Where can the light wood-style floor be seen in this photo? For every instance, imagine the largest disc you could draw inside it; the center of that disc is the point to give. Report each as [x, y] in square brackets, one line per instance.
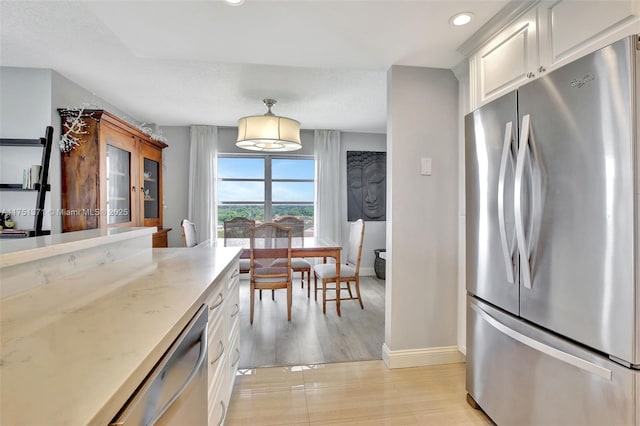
[311, 337]
[353, 393]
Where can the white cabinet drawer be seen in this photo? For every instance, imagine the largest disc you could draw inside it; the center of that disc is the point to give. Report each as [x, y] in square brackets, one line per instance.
[218, 349]
[217, 404]
[232, 311]
[233, 276]
[216, 304]
[234, 360]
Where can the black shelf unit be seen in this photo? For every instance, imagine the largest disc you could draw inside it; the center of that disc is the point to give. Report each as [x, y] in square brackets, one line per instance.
[41, 188]
[14, 187]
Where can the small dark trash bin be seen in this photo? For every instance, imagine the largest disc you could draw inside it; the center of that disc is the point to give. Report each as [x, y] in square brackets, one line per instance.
[380, 264]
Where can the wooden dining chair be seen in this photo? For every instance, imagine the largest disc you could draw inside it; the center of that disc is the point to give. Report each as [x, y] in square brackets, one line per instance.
[298, 264]
[236, 233]
[269, 242]
[188, 231]
[349, 271]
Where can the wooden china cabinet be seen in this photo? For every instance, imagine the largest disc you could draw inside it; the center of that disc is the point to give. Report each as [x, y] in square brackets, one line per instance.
[113, 177]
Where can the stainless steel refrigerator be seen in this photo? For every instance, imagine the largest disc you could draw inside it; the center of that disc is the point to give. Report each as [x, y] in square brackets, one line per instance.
[553, 246]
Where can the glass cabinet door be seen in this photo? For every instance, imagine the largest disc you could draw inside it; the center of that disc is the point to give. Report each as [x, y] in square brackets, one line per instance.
[151, 186]
[150, 191]
[118, 185]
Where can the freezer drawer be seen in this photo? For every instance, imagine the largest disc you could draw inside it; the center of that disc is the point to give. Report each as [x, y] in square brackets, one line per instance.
[522, 375]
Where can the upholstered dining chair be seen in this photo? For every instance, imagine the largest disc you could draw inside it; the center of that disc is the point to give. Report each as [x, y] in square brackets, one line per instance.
[298, 264]
[349, 271]
[188, 231]
[269, 242]
[236, 233]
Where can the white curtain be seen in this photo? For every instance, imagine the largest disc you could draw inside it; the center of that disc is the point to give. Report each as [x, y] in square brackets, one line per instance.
[328, 195]
[202, 181]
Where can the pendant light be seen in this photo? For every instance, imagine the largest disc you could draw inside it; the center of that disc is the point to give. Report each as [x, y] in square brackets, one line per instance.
[268, 132]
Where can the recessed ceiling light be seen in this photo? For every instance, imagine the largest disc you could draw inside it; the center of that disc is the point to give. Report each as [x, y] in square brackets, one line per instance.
[461, 19]
[234, 2]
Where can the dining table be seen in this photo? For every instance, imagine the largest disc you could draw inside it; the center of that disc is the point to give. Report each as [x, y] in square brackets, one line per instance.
[305, 247]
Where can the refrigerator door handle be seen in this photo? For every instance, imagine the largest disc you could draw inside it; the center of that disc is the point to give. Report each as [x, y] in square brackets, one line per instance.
[543, 348]
[517, 201]
[506, 248]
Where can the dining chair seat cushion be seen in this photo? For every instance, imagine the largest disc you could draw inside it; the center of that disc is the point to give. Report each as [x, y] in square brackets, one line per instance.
[245, 264]
[296, 263]
[328, 270]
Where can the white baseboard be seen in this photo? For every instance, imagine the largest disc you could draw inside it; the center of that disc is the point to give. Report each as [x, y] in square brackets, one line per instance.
[421, 357]
[463, 350]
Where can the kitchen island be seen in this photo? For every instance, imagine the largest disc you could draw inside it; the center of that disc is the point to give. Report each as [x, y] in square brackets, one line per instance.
[76, 345]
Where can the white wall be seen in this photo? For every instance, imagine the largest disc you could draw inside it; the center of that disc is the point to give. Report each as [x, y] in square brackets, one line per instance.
[422, 218]
[25, 104]
[175, 170]
[25, 111]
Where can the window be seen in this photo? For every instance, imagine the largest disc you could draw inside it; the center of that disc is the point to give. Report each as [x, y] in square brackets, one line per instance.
[264, 188]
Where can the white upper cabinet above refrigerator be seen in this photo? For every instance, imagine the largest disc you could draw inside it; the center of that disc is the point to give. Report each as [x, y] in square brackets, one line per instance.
[544, 37]
[507, 61]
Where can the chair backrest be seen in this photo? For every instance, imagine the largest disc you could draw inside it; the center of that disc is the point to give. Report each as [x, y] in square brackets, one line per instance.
[297, 227]
[188, 230]
[269, 242]
[354, 247]
[236, 230]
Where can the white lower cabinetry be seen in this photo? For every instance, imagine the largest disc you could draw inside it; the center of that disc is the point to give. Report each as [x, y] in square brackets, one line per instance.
[224, 347]
[233, 328]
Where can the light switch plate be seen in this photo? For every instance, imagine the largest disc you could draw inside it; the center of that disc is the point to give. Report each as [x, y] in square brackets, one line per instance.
[425, 166]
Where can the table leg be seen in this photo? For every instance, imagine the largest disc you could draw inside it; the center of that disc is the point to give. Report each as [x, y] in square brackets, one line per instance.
[338, 282]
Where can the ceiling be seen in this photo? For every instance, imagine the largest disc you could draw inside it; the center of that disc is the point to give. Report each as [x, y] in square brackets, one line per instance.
[204, 62]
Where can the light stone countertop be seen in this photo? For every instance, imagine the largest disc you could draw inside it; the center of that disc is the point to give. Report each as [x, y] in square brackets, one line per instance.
[73, 351]
[14, 251]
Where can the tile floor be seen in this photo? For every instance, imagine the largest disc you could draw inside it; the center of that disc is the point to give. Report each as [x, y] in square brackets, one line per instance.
[352, 393]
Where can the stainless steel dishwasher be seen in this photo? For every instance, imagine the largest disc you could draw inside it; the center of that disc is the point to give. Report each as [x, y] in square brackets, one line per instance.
[175, 392]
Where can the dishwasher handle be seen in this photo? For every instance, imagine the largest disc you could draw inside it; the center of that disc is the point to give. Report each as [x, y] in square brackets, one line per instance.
[201, 357]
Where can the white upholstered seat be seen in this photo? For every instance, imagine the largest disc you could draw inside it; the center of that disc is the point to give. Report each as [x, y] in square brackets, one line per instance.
[349, 271]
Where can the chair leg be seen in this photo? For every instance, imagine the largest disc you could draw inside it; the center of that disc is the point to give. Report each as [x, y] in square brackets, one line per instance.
[349, 289]
[273, 295]
[252, 297]
[289, 300]
[315, 286]
[308, 283]
[302, 279]
[324, 297]
[338, 293]
[260, 291]
[358, 291]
